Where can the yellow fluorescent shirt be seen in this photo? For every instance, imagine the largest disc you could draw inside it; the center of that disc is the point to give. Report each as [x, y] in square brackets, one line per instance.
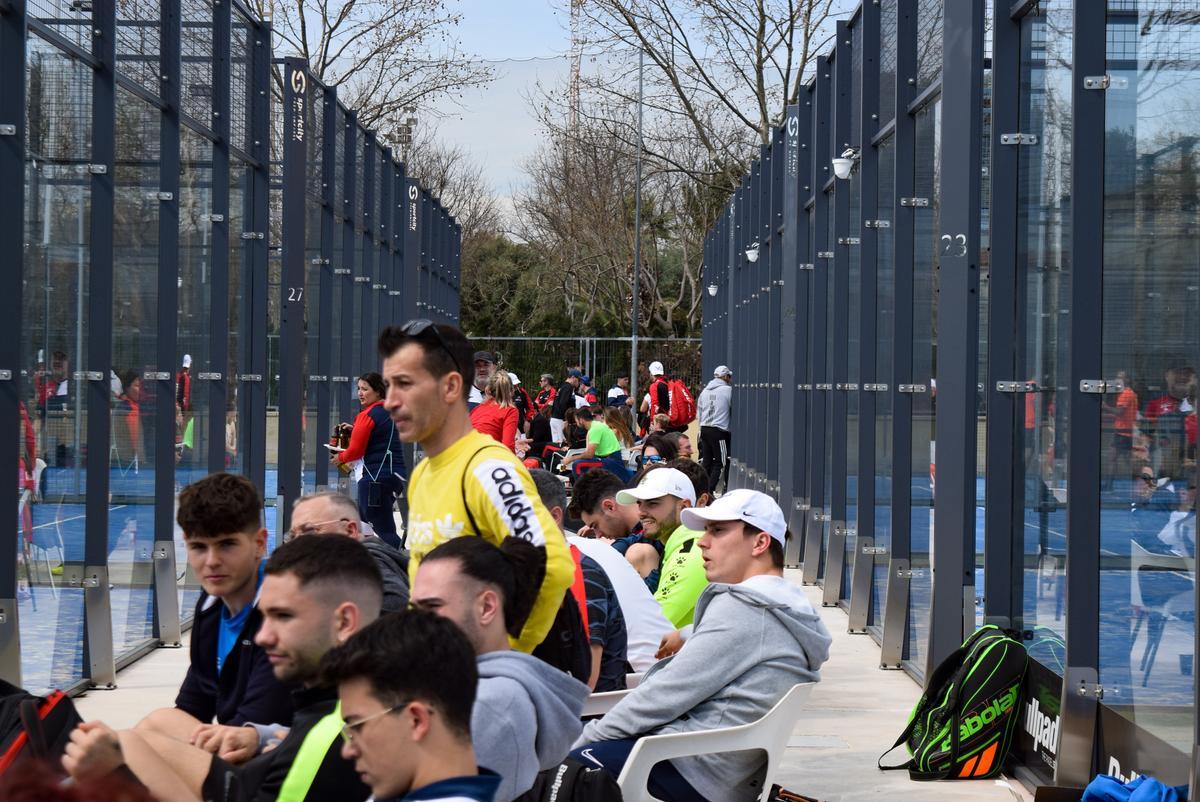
[503, 499]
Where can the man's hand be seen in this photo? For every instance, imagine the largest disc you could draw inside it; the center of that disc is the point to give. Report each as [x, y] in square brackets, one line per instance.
[232, 744]
[93, 751]
[671, 643]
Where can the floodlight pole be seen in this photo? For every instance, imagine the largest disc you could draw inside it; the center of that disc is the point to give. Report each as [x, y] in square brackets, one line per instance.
[637, 245]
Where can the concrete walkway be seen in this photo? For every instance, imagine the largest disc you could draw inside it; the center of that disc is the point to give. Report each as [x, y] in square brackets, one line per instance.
[854, 714]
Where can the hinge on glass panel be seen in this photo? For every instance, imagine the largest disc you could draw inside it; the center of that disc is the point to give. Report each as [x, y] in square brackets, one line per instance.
[1100, 386]
[318, 261]
[803, 386]
[318, 378]
[821, 517]
[340, 379]
[210, 376]
[5, 375]
[252, 235]
[378, 286]
[1016, 387]
[849, 241]
[911, 388]
[1093, 689]
[1018, 139]
[341, 271]
[162, 196]
[362, 279]
[904, 573]
[97, 169]
[875, 388]
[803, 506]
[874, 550]
[822, 386]
[393, 293]
[824, 254]
[805, 266]
[1096, 82]
[877, 224]
[156, 376]
[8, 129]
[917, 202]
[251, 377]
[837, 530]
[89, 376]
[217, 218]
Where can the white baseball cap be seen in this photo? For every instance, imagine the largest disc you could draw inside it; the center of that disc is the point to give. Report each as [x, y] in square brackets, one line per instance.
[512, 377]
[656, 369]
[658, 483]
[187, 360]
[755, 508]
[722, 371]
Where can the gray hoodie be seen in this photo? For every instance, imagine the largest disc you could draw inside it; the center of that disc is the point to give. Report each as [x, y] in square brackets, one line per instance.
[393, 566]
[525, 717]
[750, 643]
[715, 403]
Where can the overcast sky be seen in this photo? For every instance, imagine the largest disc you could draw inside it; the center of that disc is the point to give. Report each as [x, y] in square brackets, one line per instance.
[528, 40]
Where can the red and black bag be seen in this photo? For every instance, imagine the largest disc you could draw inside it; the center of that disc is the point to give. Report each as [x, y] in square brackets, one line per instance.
[33, 727]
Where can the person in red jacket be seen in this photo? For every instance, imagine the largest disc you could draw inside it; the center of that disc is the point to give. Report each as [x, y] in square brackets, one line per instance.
[497, 415]
[545, 396]
[374, 441]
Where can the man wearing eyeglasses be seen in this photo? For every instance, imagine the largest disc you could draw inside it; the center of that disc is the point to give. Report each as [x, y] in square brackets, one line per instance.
[316, 594]
[468, 484]
[334, 513]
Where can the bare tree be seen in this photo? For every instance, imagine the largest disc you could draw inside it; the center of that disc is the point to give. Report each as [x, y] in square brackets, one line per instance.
[377, 53]
[451, 175]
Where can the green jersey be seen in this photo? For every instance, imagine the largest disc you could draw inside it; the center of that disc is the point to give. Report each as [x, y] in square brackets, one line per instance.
[681, 579]
[606, 442]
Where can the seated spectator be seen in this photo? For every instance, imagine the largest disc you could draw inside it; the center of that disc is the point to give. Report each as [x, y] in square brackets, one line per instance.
[317, 592]
[661, 497]
[607, 634]
[334, 513]
[498, 417]
[656, 448]
[683, 445]
[229, 677]
[602, 445]
[594, 501]
[755, 636]
[539, 434]
[407, 688]
[697, 475]
[576, 435]
[526, 713]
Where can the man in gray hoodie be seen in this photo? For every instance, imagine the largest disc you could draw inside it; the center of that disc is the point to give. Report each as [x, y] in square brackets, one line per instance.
[754, 636]
[526, 712]
[715, 407]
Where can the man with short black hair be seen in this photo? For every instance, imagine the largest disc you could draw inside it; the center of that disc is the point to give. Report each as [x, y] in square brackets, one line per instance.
[407, 690]
[468, 484]
[229, 678]
[618, 394]
[316, 593]
[594, 501]
[755, 636]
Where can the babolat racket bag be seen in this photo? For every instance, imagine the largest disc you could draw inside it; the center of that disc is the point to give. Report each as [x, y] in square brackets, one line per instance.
[963, 725]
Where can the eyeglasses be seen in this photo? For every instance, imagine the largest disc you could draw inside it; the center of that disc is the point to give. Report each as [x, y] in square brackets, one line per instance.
[350, 729]
[313, 529]
[651, 458]
[1148, 478]
[417, 327]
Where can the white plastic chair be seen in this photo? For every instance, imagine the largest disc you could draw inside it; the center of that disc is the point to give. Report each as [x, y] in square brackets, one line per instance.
[600, 703]
[770, 734]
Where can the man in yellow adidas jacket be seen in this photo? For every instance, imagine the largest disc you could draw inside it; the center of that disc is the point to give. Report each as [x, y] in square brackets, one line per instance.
[468, 484]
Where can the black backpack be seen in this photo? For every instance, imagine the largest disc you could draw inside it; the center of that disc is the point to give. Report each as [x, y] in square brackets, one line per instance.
[33, 727]
[572, 781]
[963, 725]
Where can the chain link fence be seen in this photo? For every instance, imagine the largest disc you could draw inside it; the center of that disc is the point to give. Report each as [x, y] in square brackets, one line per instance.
[602, 358]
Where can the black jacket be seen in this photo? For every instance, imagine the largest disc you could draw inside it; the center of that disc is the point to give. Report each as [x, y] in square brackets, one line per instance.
[246, 690]
[563, 401]
[261, 777]
[393, 566]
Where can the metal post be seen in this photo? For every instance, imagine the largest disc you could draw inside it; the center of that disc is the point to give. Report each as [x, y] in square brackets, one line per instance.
[166, 599]
[1080, 695]
[12, 216]
[368, 276]
[344, 367]
[953, 604]
[326, 324]
[863, 566]
[789, 281]
[97, 601]
[253, 428]
[637, 240]
[895, 614]
[218, 318]
[796, 291]
[291, 286]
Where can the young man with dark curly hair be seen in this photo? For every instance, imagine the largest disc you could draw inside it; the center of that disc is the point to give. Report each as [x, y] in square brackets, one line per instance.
[230, 678]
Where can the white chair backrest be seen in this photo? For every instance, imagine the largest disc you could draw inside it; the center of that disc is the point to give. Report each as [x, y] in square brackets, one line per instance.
[1140, 558]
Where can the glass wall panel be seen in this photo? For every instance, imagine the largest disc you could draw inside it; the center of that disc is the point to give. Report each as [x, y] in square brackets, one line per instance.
[1151, 318]
[853, 375]
[887, 61]
[195, 301]
[132, 457]
[924, 439]
[241, 196]
[1044, 269]
[885, 320]
[831, 316]
[316, 431]
[929, 43]
[197, 89]
[53, 330]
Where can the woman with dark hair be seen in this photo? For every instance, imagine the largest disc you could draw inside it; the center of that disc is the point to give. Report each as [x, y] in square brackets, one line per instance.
[374, 441]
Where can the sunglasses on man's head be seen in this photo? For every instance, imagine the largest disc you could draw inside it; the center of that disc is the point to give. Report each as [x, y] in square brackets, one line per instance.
[420, 326]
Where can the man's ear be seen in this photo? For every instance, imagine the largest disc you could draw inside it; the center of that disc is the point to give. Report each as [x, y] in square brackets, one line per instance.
[346, 618]
[489, 607]
[260, 543]
[762, 544]
[608, 504]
